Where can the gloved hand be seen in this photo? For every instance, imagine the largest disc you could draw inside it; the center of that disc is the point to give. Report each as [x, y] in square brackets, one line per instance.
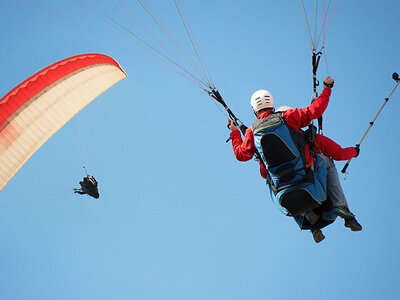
[329, 82]
[357, 147]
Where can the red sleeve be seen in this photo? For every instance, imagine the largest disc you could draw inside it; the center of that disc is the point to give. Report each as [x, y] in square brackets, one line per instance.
[244, 150]
[332, 149]
[263, 171]
[301, 117]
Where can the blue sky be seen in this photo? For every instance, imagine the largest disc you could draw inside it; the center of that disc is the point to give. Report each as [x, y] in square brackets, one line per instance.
[178, 216]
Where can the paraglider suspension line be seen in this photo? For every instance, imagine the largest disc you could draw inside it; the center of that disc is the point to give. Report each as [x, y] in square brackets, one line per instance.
[87, 174]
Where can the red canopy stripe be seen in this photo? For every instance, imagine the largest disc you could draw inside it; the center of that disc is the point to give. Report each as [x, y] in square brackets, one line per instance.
[30, 87]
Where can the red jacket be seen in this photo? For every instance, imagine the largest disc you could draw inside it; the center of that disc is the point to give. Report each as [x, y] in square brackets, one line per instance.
[296, 118]
[328, 147]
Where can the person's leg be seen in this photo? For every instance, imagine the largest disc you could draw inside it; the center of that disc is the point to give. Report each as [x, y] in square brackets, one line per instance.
[334, 188]
[336, 194]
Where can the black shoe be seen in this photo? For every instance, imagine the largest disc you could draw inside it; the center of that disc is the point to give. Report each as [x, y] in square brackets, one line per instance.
[317, 235]
[352, 224]
[312, 217]
[343, 212]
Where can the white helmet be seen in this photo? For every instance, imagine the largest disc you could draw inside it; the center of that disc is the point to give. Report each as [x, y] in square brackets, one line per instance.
[261, 99]
[283, 108]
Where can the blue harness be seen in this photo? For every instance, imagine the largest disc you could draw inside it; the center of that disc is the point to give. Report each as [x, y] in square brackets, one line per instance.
[295, 187]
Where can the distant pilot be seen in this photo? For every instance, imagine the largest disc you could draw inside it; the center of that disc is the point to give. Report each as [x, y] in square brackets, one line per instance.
[89, 187]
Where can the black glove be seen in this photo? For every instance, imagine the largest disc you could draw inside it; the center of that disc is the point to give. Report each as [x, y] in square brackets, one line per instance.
[357, 147]
[329, 85]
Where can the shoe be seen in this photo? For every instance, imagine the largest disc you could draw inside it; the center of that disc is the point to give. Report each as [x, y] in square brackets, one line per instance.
[312, 217]
[343, 212]
[317, 235]
[352, 224]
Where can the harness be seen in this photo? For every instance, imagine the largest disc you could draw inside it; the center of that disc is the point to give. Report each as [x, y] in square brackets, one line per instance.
[296, 186]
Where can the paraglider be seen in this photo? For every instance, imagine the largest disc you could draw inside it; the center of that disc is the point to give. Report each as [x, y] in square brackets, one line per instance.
[38, 107]
[89, 186]
[299, 179]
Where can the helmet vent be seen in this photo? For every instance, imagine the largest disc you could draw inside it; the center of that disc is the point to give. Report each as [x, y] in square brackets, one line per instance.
[261, 99]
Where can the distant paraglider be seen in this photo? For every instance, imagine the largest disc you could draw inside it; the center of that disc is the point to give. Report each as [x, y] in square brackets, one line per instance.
[89, 186]
[38, 107]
